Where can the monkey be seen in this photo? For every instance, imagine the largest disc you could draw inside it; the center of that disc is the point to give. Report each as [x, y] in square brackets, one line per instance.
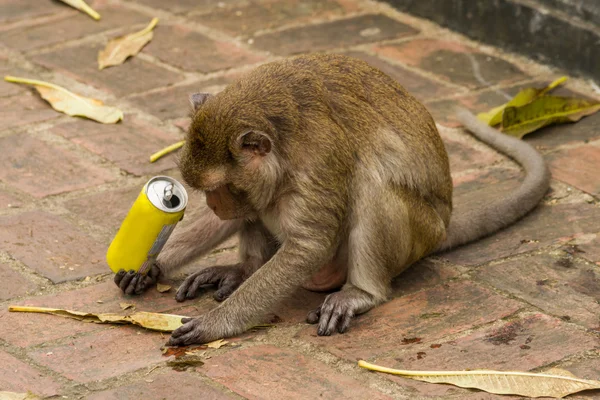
[335, 179]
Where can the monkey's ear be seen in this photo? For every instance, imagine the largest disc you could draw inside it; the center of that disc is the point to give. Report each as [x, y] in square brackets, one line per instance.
[197, 99]
[257, 143]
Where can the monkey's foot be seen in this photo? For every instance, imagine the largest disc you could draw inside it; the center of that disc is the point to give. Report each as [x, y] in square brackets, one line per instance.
[226, 278]
[134, 283]
[338, 309]
[193, 331]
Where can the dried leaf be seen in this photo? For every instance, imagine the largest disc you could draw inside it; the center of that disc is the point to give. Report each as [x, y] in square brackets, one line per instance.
[163, 288]
[70, 103]
[120, 49]
[82, 6]
[185, 362]
[525, 96]
[148, 320]
[217, 344]
[550, 384]
[166, 150]
[546, 110]
[18, 396]
[125, 306]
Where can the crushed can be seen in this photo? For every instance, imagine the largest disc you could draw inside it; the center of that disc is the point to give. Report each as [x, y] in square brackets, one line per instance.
[148, 225]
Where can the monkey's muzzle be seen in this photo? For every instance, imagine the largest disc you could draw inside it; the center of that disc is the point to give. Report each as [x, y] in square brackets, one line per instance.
[222, 202]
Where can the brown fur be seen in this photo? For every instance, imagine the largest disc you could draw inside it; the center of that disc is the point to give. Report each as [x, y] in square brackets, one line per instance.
[340, 170]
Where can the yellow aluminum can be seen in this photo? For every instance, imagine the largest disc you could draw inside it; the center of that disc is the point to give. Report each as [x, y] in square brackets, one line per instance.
[149, 223]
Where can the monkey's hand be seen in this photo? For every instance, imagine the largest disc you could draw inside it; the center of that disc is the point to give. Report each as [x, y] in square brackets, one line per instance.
[134, 283]
[226, 278]
[338, 309]
[216, 324]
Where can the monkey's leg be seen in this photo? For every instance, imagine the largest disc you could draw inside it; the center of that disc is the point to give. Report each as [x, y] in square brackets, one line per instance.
[257, 246]
[389, 232]
[187, 243]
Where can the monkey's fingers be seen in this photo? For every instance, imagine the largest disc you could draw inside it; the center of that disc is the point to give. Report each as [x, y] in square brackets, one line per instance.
[191, 286]
[126, 280]
[119, 276]
[131, 288]
[335, 315]
[228, 284]
[313, 316]
[189, 333]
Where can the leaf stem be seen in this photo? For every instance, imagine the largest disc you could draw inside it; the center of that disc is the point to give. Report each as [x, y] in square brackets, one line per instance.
[89, 11]
[378, 368]
[33, 82]
[147, 29]
[166, 151]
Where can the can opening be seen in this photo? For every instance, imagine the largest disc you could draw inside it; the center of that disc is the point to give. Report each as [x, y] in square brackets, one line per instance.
[173, 202]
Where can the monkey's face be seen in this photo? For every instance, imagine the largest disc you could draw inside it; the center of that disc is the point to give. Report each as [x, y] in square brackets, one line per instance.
[226, 158]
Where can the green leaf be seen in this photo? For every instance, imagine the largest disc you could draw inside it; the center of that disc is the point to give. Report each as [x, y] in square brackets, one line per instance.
[543, 111]
[525, 96]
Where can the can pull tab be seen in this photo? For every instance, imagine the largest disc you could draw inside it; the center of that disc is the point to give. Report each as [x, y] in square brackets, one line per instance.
[167, 195]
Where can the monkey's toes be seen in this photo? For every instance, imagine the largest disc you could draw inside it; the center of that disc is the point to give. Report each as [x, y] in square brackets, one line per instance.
[336, 313]
[313, 316]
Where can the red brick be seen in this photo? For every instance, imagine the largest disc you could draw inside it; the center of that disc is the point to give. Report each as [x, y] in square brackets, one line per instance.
[16, 376]
[268, 372]
[42, 169]
[72, 26]
[174, 102]
[444, 111]
[25, 9]
[128, 144]
[587, 368]
[51, 246]
[578, 167]
[466, 152]
[522, 344]
[341, 33]
[249, 18]
[8, 88]
[186, 5]
[560, 285]
[135, 75]
[99, 298]
[591, 247]
[585, 130]
[430, 315]
[453, 61]
[93, 208]
[421, 275]
[192, 51]
[544, 226]
[420, 87]
[476, 187]
[9, 200]
[185, 384]
[13, 284]
[26, 108]
[103, 354]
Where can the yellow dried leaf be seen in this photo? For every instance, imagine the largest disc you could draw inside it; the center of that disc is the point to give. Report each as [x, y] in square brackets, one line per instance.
[543, 111]
[166, 151]
[82, 6]
[121, 48]
[125, 306]
[148, 320]
[525, 96]
[554, 383]
[70, 103]
[217, 344]
[163, 288]
[17, 396]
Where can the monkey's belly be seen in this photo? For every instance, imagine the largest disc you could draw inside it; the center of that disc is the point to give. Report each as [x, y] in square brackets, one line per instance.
[331, 276]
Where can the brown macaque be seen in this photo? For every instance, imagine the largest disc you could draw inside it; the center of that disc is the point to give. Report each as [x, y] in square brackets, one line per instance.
[334, 177]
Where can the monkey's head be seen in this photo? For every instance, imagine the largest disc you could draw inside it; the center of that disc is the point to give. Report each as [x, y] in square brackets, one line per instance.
[230, 154]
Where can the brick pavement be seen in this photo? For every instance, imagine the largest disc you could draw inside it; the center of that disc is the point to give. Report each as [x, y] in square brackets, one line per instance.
[526, 298]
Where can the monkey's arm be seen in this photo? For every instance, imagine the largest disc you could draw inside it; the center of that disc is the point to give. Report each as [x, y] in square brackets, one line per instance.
[311, 241]
[187, 243]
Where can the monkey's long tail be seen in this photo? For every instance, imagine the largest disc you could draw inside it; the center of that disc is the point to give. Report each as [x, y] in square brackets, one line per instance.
[473, 224]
